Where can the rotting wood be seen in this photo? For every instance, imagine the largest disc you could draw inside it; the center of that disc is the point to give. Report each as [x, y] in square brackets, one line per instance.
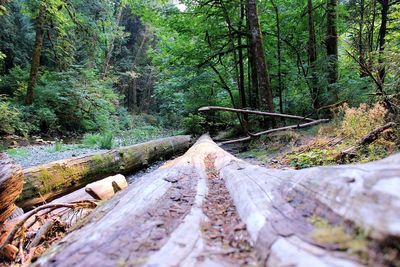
[365, 140]
[255, 112]
[49, 181]
[11, 182]
[281, 210]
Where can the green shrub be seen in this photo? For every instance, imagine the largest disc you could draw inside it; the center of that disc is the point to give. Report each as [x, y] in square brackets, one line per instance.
[106, 140]
[91, 140]
[194, 124]
[58, 146]
[10, 119]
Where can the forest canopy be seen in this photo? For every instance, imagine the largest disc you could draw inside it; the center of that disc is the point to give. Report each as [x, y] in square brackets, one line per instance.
[89, 66]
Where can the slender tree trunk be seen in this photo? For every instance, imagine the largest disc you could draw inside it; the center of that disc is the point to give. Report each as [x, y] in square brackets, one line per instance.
[312, 56]
[259, 61]
[279, 52]
[361, 47]
[332, 46]
[382, 35]
[37, 51]
[242, 93]
[112, 43]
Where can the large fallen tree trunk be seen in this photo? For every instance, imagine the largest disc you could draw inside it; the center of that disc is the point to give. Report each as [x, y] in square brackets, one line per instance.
[326, 216]
[48, 181]
[10, 186]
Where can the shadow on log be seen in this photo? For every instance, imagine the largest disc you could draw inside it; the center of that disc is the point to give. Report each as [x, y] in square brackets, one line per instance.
[49, 181]
[326, 216]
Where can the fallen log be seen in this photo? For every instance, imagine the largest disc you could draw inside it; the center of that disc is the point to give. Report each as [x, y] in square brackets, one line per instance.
[325, 216]
[365, 140]
[11, 182]
[255, 112]
[49, 181]
[285, 128]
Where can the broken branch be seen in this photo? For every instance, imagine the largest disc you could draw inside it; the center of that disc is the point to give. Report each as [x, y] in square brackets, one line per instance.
[256, 112]
[297, 126]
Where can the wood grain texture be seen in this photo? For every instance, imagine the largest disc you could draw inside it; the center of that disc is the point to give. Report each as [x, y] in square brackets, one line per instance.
[278, 207]
[11, 181]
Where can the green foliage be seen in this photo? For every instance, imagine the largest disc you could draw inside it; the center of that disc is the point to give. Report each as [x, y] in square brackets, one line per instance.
[58, 146]
[314, 157]
[10, 119]
[106, 140]
[194, 124]
[17, 152]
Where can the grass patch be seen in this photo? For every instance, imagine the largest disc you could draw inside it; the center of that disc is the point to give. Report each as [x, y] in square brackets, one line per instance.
[18, 153]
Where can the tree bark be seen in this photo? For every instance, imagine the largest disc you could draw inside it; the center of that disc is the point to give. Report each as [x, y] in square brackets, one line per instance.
[382, 40]
[49, 181]
[332, 41]
[11, 181]
[312, 57]
[259, 61]
[279, 52]
[37, 51]
[313, 215]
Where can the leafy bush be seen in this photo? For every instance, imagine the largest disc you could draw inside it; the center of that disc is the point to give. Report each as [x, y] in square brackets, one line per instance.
[10, 119]
[358, 122]
[106, 140]
[193, 124]
[74, 100]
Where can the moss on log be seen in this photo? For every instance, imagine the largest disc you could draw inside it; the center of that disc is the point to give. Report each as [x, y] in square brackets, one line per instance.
[48, 181]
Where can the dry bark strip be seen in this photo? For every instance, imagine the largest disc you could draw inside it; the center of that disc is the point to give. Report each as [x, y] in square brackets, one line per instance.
[10, 186]
[49, 181]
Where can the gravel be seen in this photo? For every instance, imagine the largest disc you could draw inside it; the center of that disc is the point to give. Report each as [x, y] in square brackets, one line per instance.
[36, 155]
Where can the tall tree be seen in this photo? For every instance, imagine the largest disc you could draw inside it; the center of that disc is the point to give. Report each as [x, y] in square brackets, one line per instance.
[382, 36]
[37, 50]
[312, 56]
[259, 61]
[332, 41]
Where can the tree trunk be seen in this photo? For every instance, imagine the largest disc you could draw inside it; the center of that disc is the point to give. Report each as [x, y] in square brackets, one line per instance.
[279, 52]
[48, 181]
[11, 181]
[332, 42]
[312, 57]
[110, 50]
[259, 61]
[382, 40]
[313, 215]
[37, 51]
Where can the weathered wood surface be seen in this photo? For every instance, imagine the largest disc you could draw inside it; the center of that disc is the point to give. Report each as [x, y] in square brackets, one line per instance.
[106, 188]
[11, 182]
[160, 220]
[48, 181]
